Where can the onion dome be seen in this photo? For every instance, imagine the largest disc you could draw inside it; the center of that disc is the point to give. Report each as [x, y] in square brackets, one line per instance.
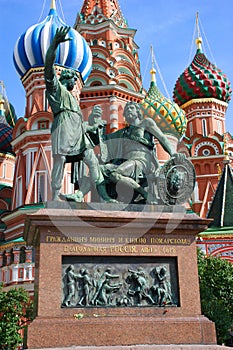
[5, 132]
[10, 114]
[201, 79]
[169, 117]
[31, 47]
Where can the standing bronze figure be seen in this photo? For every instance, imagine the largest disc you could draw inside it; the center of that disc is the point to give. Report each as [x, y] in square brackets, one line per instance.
[69, 140]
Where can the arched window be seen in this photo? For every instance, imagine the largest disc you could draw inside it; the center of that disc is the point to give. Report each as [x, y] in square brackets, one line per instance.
[124, 85]
[195, 194]
[41, 186]
[45, 101]
[191, 129]
[207, 169]
[198, 169]
[22, 256]
[116, 45]
[4, 260]
[219, 127]
[12, 256]
[102, 43]
[19, 188]
[96, 83]
[204, 127]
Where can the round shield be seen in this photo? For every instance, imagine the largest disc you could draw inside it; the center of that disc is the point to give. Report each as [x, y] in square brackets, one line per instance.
[176, 181]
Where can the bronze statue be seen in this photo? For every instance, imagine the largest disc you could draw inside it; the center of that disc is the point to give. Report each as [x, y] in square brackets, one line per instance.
[69, 140]
[127, 155]
[137, 149]
[138, 166]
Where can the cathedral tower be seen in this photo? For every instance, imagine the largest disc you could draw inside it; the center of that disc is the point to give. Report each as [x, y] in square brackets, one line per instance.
[203, 91]
[115, 77]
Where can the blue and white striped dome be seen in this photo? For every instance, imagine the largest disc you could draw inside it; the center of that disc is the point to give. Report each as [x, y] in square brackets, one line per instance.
[31, 47]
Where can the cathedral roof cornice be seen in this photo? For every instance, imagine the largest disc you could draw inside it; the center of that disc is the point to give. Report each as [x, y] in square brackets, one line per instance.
[204, 100]
[7, 156]
[32, 134]
[112, 88]
[101, 27]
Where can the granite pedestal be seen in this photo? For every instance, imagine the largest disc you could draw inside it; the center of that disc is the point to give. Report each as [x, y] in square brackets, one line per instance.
[110, 235]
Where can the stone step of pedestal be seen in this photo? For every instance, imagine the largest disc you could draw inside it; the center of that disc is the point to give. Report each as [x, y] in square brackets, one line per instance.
[146, 347]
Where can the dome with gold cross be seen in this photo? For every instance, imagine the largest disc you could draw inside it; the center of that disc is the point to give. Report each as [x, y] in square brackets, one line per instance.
[169, 117]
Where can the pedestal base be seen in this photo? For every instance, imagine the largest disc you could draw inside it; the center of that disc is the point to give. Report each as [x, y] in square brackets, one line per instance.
[106, 331]
[127, 241]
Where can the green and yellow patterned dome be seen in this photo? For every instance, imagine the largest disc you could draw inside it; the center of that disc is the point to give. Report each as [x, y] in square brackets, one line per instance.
[169, 117]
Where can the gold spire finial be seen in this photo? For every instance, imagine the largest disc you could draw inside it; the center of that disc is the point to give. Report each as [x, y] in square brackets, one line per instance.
[199, 39]
[2, 105]
[2, 110]
[226, 154]
[153, 70]
[53, 4]
[199, 42]
[219, 171]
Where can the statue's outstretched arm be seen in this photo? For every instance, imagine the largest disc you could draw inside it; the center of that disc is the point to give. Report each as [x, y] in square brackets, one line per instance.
[163, 140]
[59, 37]
[150, 125]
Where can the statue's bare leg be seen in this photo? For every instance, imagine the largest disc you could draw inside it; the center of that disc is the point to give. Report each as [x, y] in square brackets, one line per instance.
[121, 174]
[57, 175]
[96, 175]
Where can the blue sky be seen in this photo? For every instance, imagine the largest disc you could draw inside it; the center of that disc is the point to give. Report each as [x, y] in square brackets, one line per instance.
[167, 25]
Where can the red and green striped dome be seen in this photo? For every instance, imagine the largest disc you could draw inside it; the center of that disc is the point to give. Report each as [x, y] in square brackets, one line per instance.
[201, 79]
[169, 117]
